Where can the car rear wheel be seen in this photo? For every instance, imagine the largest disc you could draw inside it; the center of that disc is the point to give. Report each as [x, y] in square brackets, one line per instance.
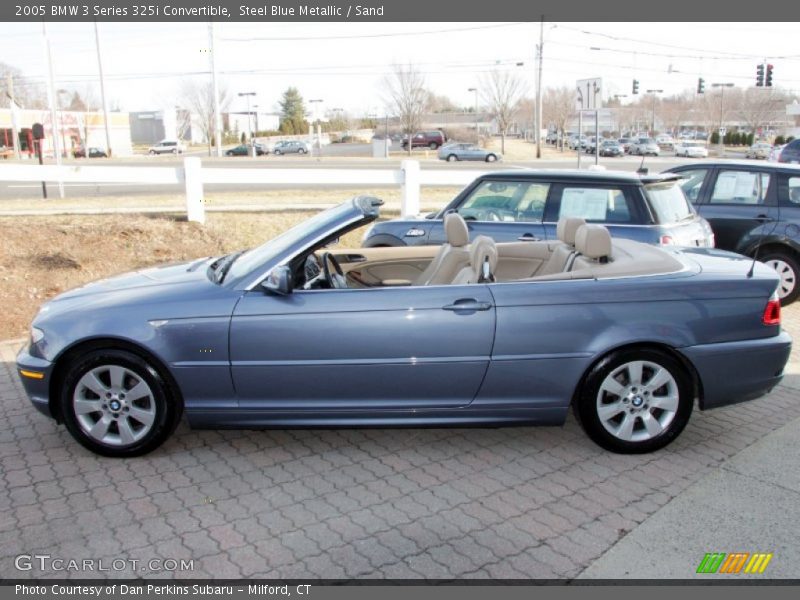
[116, 404]
[788, 270]
[152, 152]
[635, 400]
[491, 158]
[301, 151]
[433, 145]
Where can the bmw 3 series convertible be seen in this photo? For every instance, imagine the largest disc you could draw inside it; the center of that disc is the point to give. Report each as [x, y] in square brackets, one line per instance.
[296, 333]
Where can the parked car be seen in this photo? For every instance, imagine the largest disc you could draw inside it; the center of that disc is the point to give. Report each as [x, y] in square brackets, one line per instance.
[246, 150]
[80, 152]
[527, 204]
[645, 146]
[167, 147]
[454, 152]
[758, 150]
[426, 139]
[625, 143]
[753, 209]
[611, 148]
[577, 142]
[665, 141]
[691, 149]
[291, 147]
[775, 153]
[790, 152]
[296, 334]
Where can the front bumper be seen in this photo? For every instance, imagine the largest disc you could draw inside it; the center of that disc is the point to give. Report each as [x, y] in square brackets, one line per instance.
[37, 387]
[734, 372]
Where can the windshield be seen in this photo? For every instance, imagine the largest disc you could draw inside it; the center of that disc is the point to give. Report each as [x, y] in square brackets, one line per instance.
[668, 202]
[320, 222]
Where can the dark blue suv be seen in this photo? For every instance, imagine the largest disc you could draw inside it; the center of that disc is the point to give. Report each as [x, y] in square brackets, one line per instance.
[525, 205]
[754, 209]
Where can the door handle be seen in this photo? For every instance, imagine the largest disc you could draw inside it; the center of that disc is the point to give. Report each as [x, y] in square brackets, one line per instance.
[467, 305]
[527, 237]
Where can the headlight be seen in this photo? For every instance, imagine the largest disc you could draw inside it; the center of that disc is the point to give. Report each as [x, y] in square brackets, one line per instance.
[37, 335]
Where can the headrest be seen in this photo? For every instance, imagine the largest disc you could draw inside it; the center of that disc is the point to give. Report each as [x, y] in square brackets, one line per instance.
[593, 241]
[567, 227]
[455, 229]
[483, 247]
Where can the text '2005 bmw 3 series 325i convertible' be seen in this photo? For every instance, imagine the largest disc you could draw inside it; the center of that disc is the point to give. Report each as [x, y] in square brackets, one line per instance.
[297, 333]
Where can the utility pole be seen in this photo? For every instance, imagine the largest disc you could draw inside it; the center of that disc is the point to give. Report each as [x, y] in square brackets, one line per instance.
[539, 92]
[51, 100]
[215, 89]
[13, 105]
[477, 135]
[102, 90]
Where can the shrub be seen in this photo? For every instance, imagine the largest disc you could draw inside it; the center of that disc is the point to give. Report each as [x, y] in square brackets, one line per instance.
[714, 137]
[779, 141]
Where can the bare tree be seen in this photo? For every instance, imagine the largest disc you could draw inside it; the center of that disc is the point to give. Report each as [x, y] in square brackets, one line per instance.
[198, 96]
[760, 107]
[502, 91]
[27, 93]
[558, 107]
[407, 97]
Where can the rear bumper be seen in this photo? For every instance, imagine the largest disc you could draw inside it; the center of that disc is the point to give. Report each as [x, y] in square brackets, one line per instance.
[37, 388]
[734, 372]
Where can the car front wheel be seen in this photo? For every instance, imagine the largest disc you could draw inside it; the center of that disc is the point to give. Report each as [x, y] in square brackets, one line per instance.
[116, 404]
[452, 158]
[788, 270]
[635, 400]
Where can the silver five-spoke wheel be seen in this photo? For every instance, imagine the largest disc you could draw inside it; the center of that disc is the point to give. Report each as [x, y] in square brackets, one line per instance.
[114, 405]
[637, 401]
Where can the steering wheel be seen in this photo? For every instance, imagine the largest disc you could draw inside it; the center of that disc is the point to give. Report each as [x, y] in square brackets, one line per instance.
[335, 277]
[491, 214]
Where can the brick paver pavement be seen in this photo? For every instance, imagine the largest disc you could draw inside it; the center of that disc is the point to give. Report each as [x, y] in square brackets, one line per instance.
[403, 503]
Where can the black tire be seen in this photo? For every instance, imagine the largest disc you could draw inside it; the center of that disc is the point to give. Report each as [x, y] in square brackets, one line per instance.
[491, 158]
[301, 151]
[152, 152]
[433, 145]
[586, 402]
[452, 158]
[166, 406]
[277, 152]
[789, 278]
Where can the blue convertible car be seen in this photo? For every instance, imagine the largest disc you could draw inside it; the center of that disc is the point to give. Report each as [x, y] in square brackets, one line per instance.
[297, 334]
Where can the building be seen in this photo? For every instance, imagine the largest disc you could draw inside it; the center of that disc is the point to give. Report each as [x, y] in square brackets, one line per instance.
[239, 122]
[75, 129]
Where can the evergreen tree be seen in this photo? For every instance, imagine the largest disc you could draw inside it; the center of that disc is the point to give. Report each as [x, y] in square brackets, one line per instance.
[293, 112]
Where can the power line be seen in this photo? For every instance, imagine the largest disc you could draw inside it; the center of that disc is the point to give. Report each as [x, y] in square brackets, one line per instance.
[370, 35]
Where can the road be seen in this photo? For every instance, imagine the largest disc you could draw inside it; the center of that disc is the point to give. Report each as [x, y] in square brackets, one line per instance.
[16, 190]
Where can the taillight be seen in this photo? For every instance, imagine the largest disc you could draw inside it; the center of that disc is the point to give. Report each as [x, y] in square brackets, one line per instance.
[666, 240]
[772, 312]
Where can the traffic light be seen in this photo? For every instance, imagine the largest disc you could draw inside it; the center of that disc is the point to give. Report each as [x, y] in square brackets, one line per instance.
[768, 79]
[760, 75]
[701, 86]
[635, 86]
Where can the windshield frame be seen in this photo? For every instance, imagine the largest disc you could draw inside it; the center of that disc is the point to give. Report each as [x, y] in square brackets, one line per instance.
[259, 261]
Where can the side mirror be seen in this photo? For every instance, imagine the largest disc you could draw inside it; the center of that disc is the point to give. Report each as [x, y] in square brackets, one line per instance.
[279, 281]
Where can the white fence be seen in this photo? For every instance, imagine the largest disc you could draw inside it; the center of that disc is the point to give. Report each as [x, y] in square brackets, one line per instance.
[193, 176]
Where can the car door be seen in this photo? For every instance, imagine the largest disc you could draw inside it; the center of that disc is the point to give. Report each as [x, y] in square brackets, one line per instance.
[505, 210]
[740, 205]
[353, 349]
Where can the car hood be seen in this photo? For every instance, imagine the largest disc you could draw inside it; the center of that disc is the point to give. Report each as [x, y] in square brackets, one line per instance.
[153, 277]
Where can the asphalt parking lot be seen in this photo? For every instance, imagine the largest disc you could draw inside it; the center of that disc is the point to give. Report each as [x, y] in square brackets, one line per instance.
[435, 503]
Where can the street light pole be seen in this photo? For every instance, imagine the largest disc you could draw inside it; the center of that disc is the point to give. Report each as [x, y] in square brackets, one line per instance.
[102, 90]
[319, 129]
[477, 136]
[538, 131]
[249, 123]
[653, 123]
[721, 87]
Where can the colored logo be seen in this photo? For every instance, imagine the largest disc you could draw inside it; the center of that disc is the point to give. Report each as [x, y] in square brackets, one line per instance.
[734, 563]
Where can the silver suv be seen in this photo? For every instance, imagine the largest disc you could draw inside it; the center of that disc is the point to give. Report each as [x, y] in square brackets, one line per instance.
[291, 147]
[167, 147]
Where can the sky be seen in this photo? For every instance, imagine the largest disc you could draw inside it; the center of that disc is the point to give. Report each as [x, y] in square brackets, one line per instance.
[345, 64]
